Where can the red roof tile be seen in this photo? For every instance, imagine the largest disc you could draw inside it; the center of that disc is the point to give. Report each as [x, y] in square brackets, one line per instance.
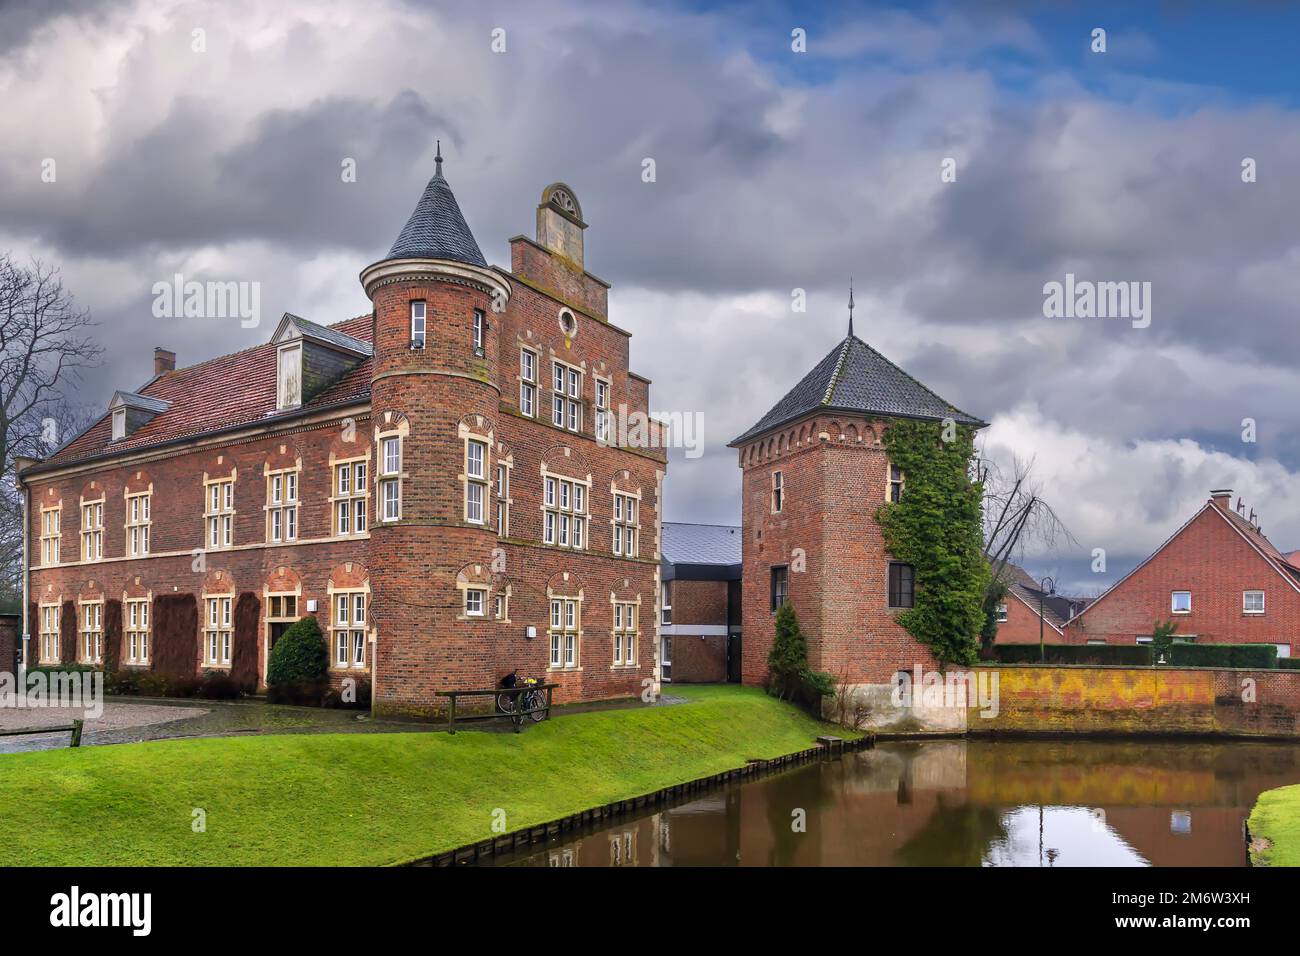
[229, 390]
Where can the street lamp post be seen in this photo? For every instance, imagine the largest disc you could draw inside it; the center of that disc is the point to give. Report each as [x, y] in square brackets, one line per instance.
[1045, 587]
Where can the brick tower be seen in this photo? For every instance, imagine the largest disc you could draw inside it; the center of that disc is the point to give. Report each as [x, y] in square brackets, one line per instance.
[815, 473]
[433, 392]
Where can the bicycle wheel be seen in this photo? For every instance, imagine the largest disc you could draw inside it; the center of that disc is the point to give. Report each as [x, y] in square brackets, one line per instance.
[506, 703]
[537, 705]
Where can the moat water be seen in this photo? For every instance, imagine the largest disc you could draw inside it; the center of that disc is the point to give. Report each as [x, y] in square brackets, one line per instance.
[961, 803]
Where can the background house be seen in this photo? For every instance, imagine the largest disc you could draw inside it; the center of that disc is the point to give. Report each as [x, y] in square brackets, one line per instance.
[700, 608]
[1018, 620]
[1217, 577]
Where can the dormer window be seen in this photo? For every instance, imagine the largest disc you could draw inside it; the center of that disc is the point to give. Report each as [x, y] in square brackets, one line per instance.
[129, 411]
[418, 324]
[119, 423]
[289, 377]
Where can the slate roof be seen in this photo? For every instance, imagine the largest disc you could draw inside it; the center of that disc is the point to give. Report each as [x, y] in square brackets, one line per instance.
[147, 402]
[230, 390]
[330, 335]
[700, 543]
[854, 377]
[437, 230]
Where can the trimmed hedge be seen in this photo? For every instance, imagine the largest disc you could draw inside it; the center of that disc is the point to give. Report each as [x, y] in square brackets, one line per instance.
[175, 635]
[1289, 663]
[1121, 655]
[1256, 656]
[243, 663]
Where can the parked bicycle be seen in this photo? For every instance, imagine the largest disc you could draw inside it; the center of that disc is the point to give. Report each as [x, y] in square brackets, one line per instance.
[531, 701]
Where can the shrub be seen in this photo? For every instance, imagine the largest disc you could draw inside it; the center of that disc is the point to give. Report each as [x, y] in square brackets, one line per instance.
[299, 656]
[1121, 655]
[1289, 663]
[1255, 656]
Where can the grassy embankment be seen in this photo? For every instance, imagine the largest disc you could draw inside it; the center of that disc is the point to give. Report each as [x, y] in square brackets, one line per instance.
[338, 799]
[1275, 828]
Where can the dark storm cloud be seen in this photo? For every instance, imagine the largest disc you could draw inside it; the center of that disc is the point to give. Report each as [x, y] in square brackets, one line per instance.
[184, 182]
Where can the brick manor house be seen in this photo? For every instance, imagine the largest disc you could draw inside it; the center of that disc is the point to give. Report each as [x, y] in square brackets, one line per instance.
[426, 479]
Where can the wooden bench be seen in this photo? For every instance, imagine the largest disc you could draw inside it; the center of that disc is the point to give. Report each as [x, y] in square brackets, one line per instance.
[515, 693]
[74, 728]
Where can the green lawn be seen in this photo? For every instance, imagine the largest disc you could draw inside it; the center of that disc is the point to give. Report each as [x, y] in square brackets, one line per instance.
[1276, 819]
[341, 799]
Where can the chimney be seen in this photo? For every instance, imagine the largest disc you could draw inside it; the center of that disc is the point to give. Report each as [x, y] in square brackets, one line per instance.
[163, 361]
[1220, 498]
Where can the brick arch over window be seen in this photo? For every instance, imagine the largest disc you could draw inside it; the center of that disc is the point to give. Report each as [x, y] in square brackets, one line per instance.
[92, 590]
[218, 581]
[476, 425]
[349, 576]
[220, 465]
[565, 460]
[389, 422]
[138, 482]
[283, 580]
[349, 441]
[92, 490]
[568, 583]
[281, 458]
[136, 590]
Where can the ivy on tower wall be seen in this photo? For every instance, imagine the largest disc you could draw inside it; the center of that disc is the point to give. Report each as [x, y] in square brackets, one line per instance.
[937, 528]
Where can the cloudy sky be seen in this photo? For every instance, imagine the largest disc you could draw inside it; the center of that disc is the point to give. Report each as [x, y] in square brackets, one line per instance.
[776, 170]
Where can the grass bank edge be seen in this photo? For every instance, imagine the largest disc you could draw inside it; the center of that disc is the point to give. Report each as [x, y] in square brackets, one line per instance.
[1274, 825]
[392, 797]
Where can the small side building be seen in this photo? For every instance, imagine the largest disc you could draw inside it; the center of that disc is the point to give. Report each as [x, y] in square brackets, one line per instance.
[700, 626]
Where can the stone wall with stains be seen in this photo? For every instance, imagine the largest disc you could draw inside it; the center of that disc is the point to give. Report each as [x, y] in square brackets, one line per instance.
[1067, 700]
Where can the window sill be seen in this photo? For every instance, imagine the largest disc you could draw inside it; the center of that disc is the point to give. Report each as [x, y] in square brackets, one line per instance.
[563, 670]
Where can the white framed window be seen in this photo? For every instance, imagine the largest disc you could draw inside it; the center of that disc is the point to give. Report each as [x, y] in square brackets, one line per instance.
[624, 634]
[390, 480]
[217, 632]
[566, 397]
[49, 649]
[1252, 602]
[626, 524]
[500, 606]
[138, 521]
[119, 424]
[475, 602]
[895, 490]
[92, 632]
[137, 632]
[602, 410]
[503, 499]
[351, 497]
[1001, 614]
[665, 603]
[528, 382]
[1181, 602]
[282, 506]
[480, 332]
[419, 325]
[564, 512]
[92, 530]
[476, 484]
[564, 633]
[219, 512]
[778, 492]
[51, 534]
[348, 626]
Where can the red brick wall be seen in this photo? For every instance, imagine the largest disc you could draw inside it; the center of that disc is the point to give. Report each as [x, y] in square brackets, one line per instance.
[699, 659]
[10, 635]
[1214, 562]
[1021, 626]
[833, 488]
[698, 602]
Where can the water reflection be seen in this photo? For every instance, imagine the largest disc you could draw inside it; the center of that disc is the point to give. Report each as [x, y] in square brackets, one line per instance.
[963, 803]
